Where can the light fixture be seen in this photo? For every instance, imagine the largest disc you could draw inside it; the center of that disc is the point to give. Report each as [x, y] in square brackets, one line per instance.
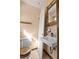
[54, 18]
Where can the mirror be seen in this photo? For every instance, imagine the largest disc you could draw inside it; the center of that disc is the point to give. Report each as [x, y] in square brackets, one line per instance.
[50, 16]
[52, 13]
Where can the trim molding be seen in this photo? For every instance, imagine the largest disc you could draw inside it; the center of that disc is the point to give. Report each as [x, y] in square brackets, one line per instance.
[25, 22]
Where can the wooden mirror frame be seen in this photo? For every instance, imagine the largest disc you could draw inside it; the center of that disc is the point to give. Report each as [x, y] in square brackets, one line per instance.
[47, 24]
[48, 8]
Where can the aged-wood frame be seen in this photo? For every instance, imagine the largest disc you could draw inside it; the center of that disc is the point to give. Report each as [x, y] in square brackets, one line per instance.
[47, 24]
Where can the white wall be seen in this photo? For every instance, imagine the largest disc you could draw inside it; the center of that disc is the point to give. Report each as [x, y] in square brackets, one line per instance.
[40, 32]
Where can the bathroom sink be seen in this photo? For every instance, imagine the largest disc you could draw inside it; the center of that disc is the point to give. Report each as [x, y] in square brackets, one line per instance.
[50, 41]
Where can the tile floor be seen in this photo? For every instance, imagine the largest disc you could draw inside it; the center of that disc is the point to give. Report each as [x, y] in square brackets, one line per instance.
[45, 56]
[34, 55]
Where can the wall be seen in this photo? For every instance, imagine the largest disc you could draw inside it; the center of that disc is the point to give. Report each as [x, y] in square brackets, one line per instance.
[54, 30]
[40, 32]
[31, 14]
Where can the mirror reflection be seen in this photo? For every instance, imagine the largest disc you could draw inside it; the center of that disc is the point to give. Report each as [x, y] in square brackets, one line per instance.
[52, 13]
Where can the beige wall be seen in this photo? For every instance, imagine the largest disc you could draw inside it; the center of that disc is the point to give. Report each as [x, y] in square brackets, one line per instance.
[29, 14]
[54, 29]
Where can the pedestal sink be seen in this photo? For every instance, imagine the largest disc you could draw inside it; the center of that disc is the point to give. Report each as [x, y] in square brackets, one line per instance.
[50, 41]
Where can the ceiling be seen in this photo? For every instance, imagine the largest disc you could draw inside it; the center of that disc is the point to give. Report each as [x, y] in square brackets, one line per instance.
[35, 3]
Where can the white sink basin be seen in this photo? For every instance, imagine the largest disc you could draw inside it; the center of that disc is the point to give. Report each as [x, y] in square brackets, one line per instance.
[50, 41]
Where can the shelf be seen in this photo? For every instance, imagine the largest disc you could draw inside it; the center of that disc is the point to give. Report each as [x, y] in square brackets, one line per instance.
[25, 22]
